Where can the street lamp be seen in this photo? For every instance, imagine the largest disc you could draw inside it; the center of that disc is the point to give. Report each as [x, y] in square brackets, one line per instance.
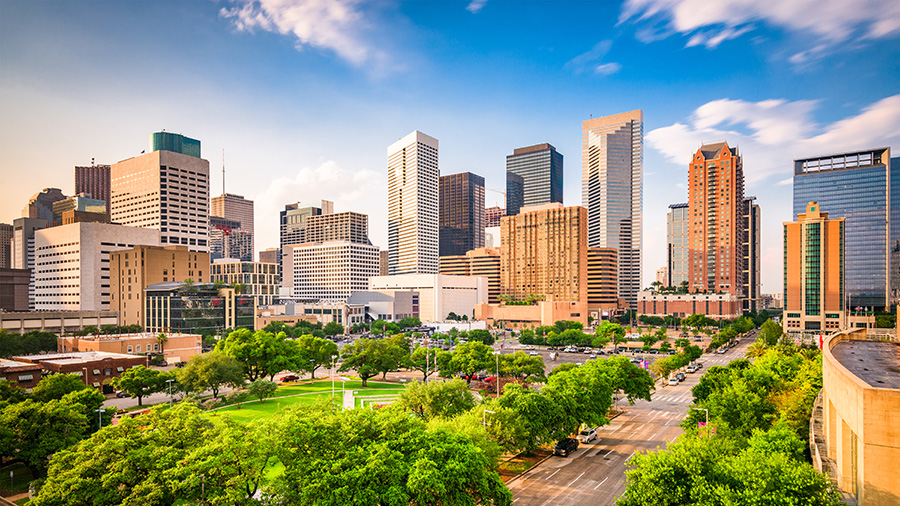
[100, 412]
[497, 377]
[333, 358]
[169, 386]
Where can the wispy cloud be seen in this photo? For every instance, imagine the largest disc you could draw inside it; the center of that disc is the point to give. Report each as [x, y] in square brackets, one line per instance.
[771, 133]
[710, 23]
[592, 61]
[475, 6]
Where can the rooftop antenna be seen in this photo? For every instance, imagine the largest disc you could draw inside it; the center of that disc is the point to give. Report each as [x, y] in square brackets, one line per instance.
[223, 171]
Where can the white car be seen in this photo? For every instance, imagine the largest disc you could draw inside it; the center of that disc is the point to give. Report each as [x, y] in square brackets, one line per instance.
[533, 353]
[673, 381]
[587, 435]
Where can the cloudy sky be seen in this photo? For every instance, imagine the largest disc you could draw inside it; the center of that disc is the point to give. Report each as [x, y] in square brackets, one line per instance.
[304, 96]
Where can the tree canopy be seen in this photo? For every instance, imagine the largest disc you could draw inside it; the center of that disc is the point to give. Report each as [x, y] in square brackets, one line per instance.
[140, 382]
[210, 371]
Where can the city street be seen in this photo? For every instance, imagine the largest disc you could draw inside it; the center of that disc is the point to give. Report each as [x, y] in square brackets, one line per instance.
[595, 473]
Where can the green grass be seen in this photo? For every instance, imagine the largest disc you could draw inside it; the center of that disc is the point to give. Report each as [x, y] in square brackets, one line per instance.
[20, 480]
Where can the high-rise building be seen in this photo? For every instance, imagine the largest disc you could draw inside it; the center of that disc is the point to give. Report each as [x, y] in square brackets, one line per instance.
[22, 248]
[863, 187]
[413, 205]
[237, 208]
[662, 275]
[132, 270]
[492, 216]
[40, 205]
[269, 256]
[6, 237]
[461, 213]
[227, 239]
[94, 181]
[602, 274]
[544, 252]
[677, 226]
[814, 272]
[81, 203]
[612, 178]
[483, 262]
[14, 289]
[165, 190]
[71, 263]
[329, 270]
[383, 262]
[716, 228]
[257, 279]
[344, 226]
[752, 220]
[541, 169]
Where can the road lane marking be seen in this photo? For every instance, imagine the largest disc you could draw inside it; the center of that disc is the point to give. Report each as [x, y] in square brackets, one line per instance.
[653, 436]
[554, 472]
[601, 483]
[576, 479]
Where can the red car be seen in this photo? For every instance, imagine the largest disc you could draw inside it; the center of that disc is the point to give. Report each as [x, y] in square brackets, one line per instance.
[290, 377]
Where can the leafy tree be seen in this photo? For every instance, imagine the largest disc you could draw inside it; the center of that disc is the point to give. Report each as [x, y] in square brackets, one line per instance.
[33, 431]
[521, 366]
[140, 382]
[624, 376]
[470, 358]
[364, 356]
[57, 386]
[31, 343]
[333, 329]
[425, 361]
[90, 400]
[482, 336]
[444, 399]
[770, 333]
[10, 393]
[261, 353]
[395, 354]
[607, 332]
[409, 322]
[563, 367]
[210, 371]
[757, 348]
[262, 388]
[315, 352]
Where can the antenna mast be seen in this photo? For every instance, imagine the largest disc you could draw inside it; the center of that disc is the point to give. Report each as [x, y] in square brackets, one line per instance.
[223, 171]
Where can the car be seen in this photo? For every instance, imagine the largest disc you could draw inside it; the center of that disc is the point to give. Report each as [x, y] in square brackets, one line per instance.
[723, 350]
[120, 394]
[635, 360]
[587, 435]
[692, 368]
[699, 365]
[551, 347]
[601, 352]
[671, 352]
[290, 377]
[680, 376]
[673, 381]
[565, 446]
[533, 353]
[593, 355]
[588, 351]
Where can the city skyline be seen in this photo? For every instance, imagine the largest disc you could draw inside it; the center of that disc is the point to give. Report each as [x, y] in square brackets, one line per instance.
[277, 95]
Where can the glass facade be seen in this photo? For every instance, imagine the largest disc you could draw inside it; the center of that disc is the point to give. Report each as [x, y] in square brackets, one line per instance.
[678, 244]
[201, 309]
[857, 186]
[176, 143]
[461, 213]
[541, 169]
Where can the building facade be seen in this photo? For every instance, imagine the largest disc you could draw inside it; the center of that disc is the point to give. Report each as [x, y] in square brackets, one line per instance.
[540, 168]
[345, 226]
[22, 248]
[714, 305]
[260, 280]
[239, 209]
[164, 190]
[40, 205]
[293, 225]
[413, 175]
[176, 143]
[439, 294]
[95, 368]
[21, 374]
[677, 227]
[612, 178]
[602, 279]
[863, 187]
[132, 270]
[196, 308]
[269, 256]
[716, 230]
[6, 238]
[330, 270]
[72, 263]
[461, 213]
[176, 347]
[544, 253]
[484, 262]
[492, 216]
[228, 240]
[814, 273]
[14, 289]
[58, 322]
[94, 181]
[81, 203]
[752, 280]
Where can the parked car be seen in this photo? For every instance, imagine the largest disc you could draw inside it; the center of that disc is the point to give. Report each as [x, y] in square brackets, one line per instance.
[593, 355]
[120, 394]
[290, 377]
[588, 351]
[565, 446]
[587, 435]
[692, 368]
[533, 353]
[722, 350]
[680, 376]
[673, 381]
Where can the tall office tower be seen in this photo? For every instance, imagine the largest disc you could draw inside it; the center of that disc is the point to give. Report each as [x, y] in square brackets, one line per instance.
[133, 270]
[544, 252]
[864, 187]
[612, 178]
[6, 237]
[752, 220]
[71, 263]
[40, 205]
[227, 239]
[344, 226]
[235, 207]
[541, 169]
[413, 175]
[94, 181]
[22, 246]
[165, 190]
[602, 282]
[716, 228]
[461, 213]
[492, 216]
[677, 224]
[483, 262]
[662, 275]
[268, 256]
[814, 272]
[81, 203]
[293, 225]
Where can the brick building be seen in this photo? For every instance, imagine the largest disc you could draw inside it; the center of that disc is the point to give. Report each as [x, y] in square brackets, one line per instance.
[96, 368]
[177, 347]
[23, 374]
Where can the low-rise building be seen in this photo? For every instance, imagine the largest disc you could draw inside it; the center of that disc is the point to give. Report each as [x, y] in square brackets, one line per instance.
[483, 262]
[59, 322]
[439, 294]
[22, 374]
[196, 308]
[714, 305]
[544, 312]
[14, 289]
[176, 347]
[96, 368]
[258, 279]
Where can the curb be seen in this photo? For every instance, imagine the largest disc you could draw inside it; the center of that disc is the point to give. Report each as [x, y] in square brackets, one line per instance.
[523, 473]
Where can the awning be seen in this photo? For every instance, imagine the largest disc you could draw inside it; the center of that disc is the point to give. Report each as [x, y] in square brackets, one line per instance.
[119, 369]
[97, 372]
[96, 385]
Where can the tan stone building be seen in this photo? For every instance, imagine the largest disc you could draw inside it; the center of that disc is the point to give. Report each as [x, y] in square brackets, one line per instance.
[483, 262]
[602, 282]
[176, 348]
[545, 312]
[132, 270]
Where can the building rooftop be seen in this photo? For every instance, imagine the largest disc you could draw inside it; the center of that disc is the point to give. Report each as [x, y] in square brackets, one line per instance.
[14, 365]
[875, 362]
[76, 357]
[135, 336]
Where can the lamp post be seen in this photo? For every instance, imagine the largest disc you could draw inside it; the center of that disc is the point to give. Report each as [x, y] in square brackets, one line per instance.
[497, 377]
[100, 412]
[169, 386]
[333, 358]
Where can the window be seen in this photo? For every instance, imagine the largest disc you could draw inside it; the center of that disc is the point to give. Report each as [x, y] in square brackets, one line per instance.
[26, 377]
[129, 351]
[138, 349]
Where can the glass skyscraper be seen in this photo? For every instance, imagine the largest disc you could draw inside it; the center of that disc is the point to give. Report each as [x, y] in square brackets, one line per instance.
[461, 213]
[863, 187]
[541, 170]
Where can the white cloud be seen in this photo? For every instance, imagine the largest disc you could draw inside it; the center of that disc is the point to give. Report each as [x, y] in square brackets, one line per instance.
[363, 191]
[711, 22]
[607, 69]
[475, 6]
[592, 61]
[771, 133]
[337, 25]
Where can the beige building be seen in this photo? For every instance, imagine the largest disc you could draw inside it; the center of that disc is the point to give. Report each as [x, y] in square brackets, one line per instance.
[177, 347]
[439, 294]
[483, 262]
[544, 253]
[260, 279]
[132, 270]
[860, 417]
[602, 280]
[59, 322]
[331, 270]
[235, 207]
[545, 312]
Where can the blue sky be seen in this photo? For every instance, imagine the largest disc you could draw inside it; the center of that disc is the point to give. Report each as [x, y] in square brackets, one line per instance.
[304, 96]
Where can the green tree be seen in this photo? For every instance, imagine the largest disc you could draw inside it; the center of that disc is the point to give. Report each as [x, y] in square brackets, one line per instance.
[482, 336]
[409, 322]
[315, 352]
[425, 361]
[88, 401]
[333, 329]
[521, 366]
[140, 382]
[364, 356]
[57, 386]
[606, 332]
[262, 388]
[210, 371]
[394, 354]
[626, 377]
[445, 399]
[261, 353]
[770, 333]
[10, 393]
[470, 358]
[33, 431]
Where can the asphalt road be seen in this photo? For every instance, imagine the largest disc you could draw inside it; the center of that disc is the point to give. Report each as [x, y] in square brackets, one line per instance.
[595, 473]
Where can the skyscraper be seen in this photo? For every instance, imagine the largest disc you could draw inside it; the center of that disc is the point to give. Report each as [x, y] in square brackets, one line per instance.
[492, 216]
[94, 180]
[677, 224]
[541, 169]
[863, 187]
[461, 213]
[716, 228]
[40, 205]
[166, 191]
[752, 220]
[235, 207]
[22, 248]
[612, 178]
[6, 237]
[228, 240]
[413, 205]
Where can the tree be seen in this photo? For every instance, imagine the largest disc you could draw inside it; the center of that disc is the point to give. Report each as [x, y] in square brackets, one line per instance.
[409, 322]
[770, 332]
[33, 431]
[261, 353]
[757, 348]
[315, 352]
[624, 376]
[140, 382]
[521, 366]
[394, 354]
[210, 371]
[425, 361]
[607, 332]
[10, 393]
[31, 343]
[444, 399]
[161, 340]
[364, 356]
[57, 386]
[470, 358]
[333, 329]
[482, 336]
[88, 401]
[262, 388]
